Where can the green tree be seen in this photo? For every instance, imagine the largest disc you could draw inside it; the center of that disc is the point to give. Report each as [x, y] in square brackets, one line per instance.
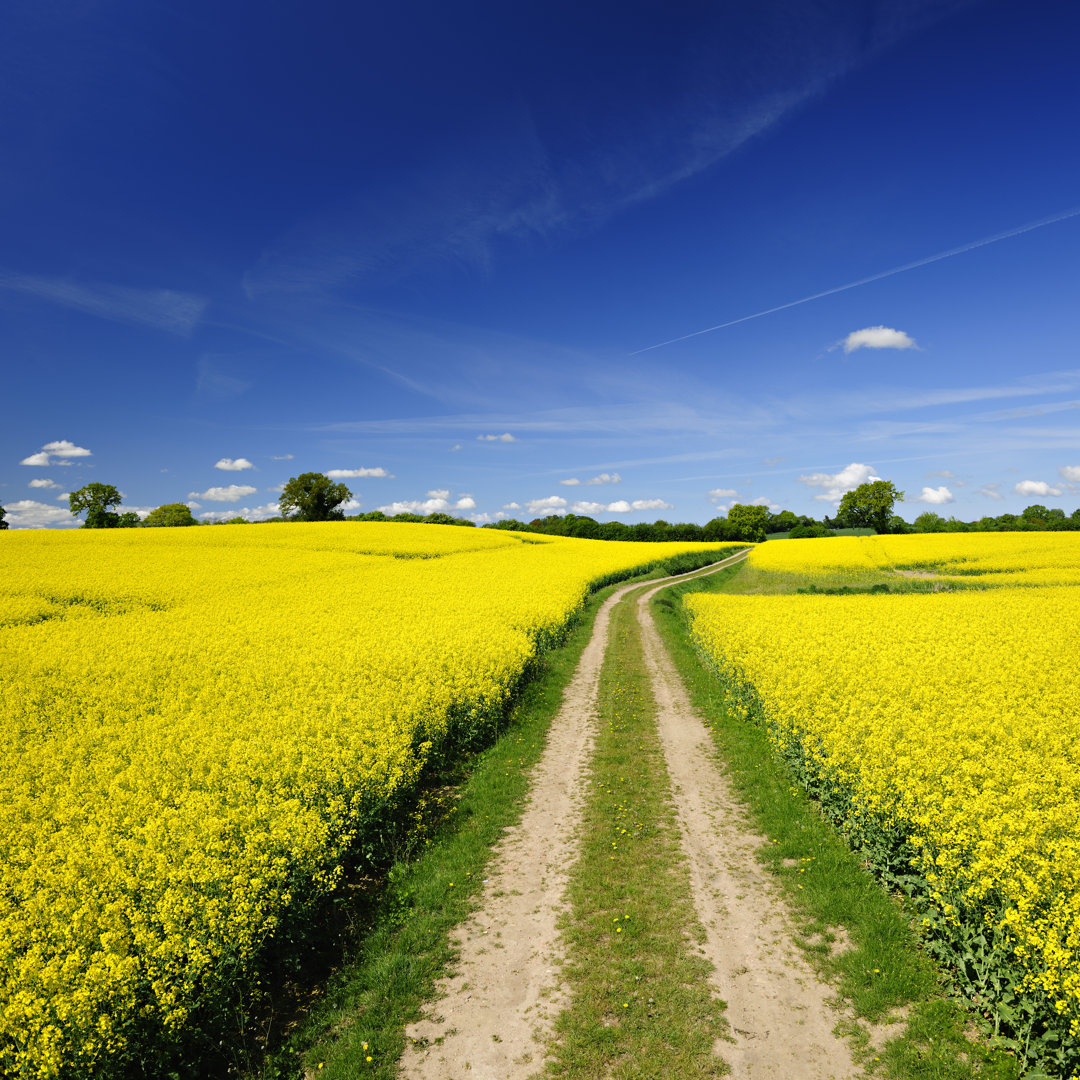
[870, 505]
[3, 514]
[928, 522]
[311, 496]
[748, 522]
[97, 500]
[170, 516]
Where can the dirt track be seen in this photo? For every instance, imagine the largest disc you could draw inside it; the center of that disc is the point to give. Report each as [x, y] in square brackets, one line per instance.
[495, 1014]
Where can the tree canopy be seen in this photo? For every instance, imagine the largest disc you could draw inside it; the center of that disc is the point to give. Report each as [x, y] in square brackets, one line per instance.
[3, 514]
[311, 496]
[98, 500]
[170, 515]
[870, 505]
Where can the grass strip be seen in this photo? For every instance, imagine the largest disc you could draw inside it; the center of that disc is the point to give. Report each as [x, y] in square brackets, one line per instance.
[856, 934]
[639, 1000]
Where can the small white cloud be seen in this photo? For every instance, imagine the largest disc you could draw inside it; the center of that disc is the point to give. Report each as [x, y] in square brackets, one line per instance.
[945, 474]
[550, 504]
[281, 457]
[1071, 473]
[466, 502]
[512, 506]
[456, 446]
[250, 513]
[224, 494]
[28, 514]
[64, 449]
[651, 504]
[764, 500]
[938, 496]
[771, 461]
[56, 453]
[603, 478]
[1037, 487]
[721, 493]
[878, 337]
[504, 437]
[233, 464]
[990, 491]
[352, 474]
[351, 504]
[439, 493]
[43, 483]
[835, 485]
[192, 505]
[276, 489]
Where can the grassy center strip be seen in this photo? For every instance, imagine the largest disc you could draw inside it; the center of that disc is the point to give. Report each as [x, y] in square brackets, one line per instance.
[639, 999]
[851, 929]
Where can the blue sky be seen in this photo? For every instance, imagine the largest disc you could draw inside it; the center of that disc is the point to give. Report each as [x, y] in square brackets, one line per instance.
[430, 248]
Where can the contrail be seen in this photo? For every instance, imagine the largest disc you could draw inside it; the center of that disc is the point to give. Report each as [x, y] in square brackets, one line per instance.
[1018, 231]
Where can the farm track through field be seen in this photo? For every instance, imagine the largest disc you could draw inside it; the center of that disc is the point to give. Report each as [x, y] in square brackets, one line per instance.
[495, 1015]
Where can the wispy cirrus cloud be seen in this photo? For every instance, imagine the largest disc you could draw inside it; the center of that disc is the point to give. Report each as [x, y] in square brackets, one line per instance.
[160, 309]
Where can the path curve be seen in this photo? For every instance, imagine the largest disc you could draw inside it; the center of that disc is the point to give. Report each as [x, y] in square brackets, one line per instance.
[495, 1014]
[777, 1007]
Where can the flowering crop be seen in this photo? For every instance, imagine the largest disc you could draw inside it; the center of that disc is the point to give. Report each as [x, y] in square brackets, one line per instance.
[199, 725]
[948, 721]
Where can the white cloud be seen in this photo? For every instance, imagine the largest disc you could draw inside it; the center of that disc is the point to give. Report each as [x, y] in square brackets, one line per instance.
[251, 513]
[437, 502]
[549, 505]
[938, 496]
[281, 457]
[56, 453]
[651, 504]
[878, 337]
[945, 474]
[234, 464]
[28, 514]
[721, 493]
[990, 491]
[512, 506]
[504, 437]
[43, 483]
[835, 485]
[351, 504]
[224, 494]
[352, 474]
[764, 500]
[1070, 473]
[63, 496]
[603, 478]
[1037, 487]
[456, 446]
[192, 505]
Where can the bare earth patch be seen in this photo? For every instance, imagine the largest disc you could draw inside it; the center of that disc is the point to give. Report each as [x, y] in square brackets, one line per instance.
[778, 1010]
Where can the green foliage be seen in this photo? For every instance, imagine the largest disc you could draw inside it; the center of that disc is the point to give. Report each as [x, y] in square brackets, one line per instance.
[311, 496]
[870, 505]
[807, 532]
[97, 500]
[3, 514]
[748, 522]
[171, 515]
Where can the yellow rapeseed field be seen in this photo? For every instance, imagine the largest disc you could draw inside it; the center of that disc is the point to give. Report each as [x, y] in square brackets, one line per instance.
[953, 716]
[198, 724]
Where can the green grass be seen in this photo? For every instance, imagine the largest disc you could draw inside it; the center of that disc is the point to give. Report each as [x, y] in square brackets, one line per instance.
[640, 1004]
[880, 972]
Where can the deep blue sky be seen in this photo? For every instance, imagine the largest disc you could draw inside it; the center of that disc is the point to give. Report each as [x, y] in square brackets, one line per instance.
[432, 240]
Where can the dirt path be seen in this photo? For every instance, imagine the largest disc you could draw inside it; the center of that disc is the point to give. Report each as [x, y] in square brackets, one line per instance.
[777, 1008]
[495, 1014]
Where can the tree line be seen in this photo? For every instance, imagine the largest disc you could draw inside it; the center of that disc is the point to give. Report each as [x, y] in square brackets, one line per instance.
[315, 497]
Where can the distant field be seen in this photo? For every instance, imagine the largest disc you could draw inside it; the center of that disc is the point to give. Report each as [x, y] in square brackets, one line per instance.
[200, 725]
[941, 728]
